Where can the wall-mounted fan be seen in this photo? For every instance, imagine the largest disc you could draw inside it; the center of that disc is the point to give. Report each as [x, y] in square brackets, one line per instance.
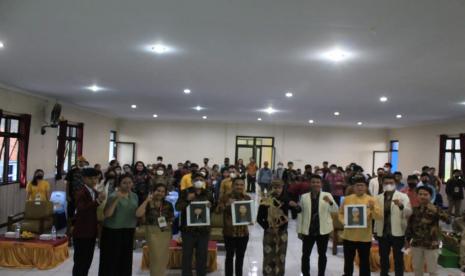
[54, 119]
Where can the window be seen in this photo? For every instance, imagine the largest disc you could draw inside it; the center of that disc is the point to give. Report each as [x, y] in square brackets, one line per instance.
[9, 150]
[452, 156]
[112, 152]
[394, 155]
[69, 146]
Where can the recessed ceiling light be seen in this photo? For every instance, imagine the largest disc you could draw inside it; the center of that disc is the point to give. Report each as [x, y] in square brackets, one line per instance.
[187, 91]
[336, 55]
[311, 121]
[359, 123]
[159, 49]
[399, 116]
[270, 110]
[462, 103]
[2, 45]
[383, 99]
[204, 117]
[94, 88]
[259, 119]
[155, 115]
[289, 94]
[198, 108]
[133, 106]
[337, 113]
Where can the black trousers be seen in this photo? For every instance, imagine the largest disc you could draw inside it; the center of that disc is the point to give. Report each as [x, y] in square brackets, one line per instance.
[363, 250]
[307, 246]
[83, 255]
[116, 248]
[235, 246]
[199, 242]
[385, 245]
[251, 183]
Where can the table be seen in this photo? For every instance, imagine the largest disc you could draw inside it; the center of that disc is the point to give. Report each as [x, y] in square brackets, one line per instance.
[375, 263]
[175, 259]
[33, 253]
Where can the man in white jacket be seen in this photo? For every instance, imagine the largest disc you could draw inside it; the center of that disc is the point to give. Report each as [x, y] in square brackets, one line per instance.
[390, 229]
[376, 183]
[314, 223]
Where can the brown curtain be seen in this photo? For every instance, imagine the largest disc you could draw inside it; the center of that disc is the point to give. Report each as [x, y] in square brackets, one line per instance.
[24, 130]
[462, 150]
[80, 137]
[442, 155]
[61, 148]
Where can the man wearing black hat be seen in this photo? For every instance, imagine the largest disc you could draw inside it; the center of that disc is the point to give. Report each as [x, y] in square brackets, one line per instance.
[85, 222]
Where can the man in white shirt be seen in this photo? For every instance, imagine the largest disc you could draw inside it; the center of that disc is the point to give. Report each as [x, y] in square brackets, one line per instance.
[375, 187]
[390, 229]
[314, 223]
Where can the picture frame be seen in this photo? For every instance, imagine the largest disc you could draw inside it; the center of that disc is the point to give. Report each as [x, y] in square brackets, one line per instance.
[355, 216]
[198, 213]
[243, 212]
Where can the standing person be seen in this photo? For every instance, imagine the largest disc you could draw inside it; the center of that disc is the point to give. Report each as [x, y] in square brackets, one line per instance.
[454, 191]
[289, 175]
[235, 237]
[159, 162]
[38, 189]
[399, 183]
[178, 174]
[241, 169]
[127, 169]
[186, 180]
[390, 229]
[226, 184]
[194, 237]
[388, 168]
[141, 181]
[335, 179]
[314, 223]
[161, 177]
[107, 187]
[98, 167]
[359, 239]
[264, 178]
[425, 181]
[307, 173]
[325, 169]
[272, 217]
[375, 187]
[251, 175]
[74, 183]
[278, 173]
[117, 238]
[206, 166]
[226, 165]
[159, 217]
[423, 233]
[85, 222]
[411, 190]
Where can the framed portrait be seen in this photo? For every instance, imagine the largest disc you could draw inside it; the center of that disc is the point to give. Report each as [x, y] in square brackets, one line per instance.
[355, 216]
[198, 213]
[243, 212]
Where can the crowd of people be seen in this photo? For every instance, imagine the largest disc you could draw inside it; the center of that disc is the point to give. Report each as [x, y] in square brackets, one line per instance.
[397, 215]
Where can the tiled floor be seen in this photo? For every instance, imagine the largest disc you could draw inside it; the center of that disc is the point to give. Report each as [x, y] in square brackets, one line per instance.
[252, 262]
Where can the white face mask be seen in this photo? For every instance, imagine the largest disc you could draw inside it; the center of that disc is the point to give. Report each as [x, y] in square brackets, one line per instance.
[203, 173]
[158, 161]
[389, 188]
[280, 166]
[386, 169]
[160, 172]
[333, 171]
[232, 175]
[199, 184]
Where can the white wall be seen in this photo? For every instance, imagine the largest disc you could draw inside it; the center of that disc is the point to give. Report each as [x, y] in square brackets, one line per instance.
[419, 145]
[42, 148]
[177, 141]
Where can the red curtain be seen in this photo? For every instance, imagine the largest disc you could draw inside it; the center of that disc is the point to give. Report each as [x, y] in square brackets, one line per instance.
[442, 155]
[80, 137]
[24, 130]
[61, 148]
[462, 150]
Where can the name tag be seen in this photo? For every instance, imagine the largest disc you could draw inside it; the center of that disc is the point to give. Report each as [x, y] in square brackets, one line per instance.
[456, 189]
[162, 222]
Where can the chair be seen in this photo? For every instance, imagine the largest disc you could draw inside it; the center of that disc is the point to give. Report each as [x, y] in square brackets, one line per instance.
[37, 217]
[216, 223]
[336, 235]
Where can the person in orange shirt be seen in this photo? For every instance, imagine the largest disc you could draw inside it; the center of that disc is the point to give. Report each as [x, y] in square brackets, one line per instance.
[251, 175]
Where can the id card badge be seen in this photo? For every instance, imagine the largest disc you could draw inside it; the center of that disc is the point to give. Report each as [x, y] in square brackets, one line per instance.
[162, 222]
[456, 189]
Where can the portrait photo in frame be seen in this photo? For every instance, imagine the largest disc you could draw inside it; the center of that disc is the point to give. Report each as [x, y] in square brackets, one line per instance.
[355, 216]
[198, 213]
[243, 212]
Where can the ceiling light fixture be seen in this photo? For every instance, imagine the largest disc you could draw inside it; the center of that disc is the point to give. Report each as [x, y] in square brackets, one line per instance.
[187, 91]
[94, 88]
[383, 99]
[133, 106]
[337, 113]
[336, 55]
[311, 121]
[204, 117]
[155, 116]
[399, 116]
[259, 119]
[2, 45]
[270, 110]
[159, 49]
[198, 108]
[289, 94]
[359, 123]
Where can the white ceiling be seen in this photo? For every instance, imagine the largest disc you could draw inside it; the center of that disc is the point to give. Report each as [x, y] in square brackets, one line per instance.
[239, 56]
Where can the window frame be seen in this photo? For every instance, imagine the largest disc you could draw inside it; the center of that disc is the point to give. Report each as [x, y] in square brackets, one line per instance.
[71, 136]
[453, 151]
[7, 135]
[114, 147]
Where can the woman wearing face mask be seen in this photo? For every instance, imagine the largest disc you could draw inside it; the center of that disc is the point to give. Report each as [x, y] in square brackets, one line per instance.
[160, 177]
[159, 215]
[38, 189]
[127, 169]
[141, 181]
[226, 184]
[194, 237]
[117, 239]
[235, 237]
[106, 186]
[272, 217]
